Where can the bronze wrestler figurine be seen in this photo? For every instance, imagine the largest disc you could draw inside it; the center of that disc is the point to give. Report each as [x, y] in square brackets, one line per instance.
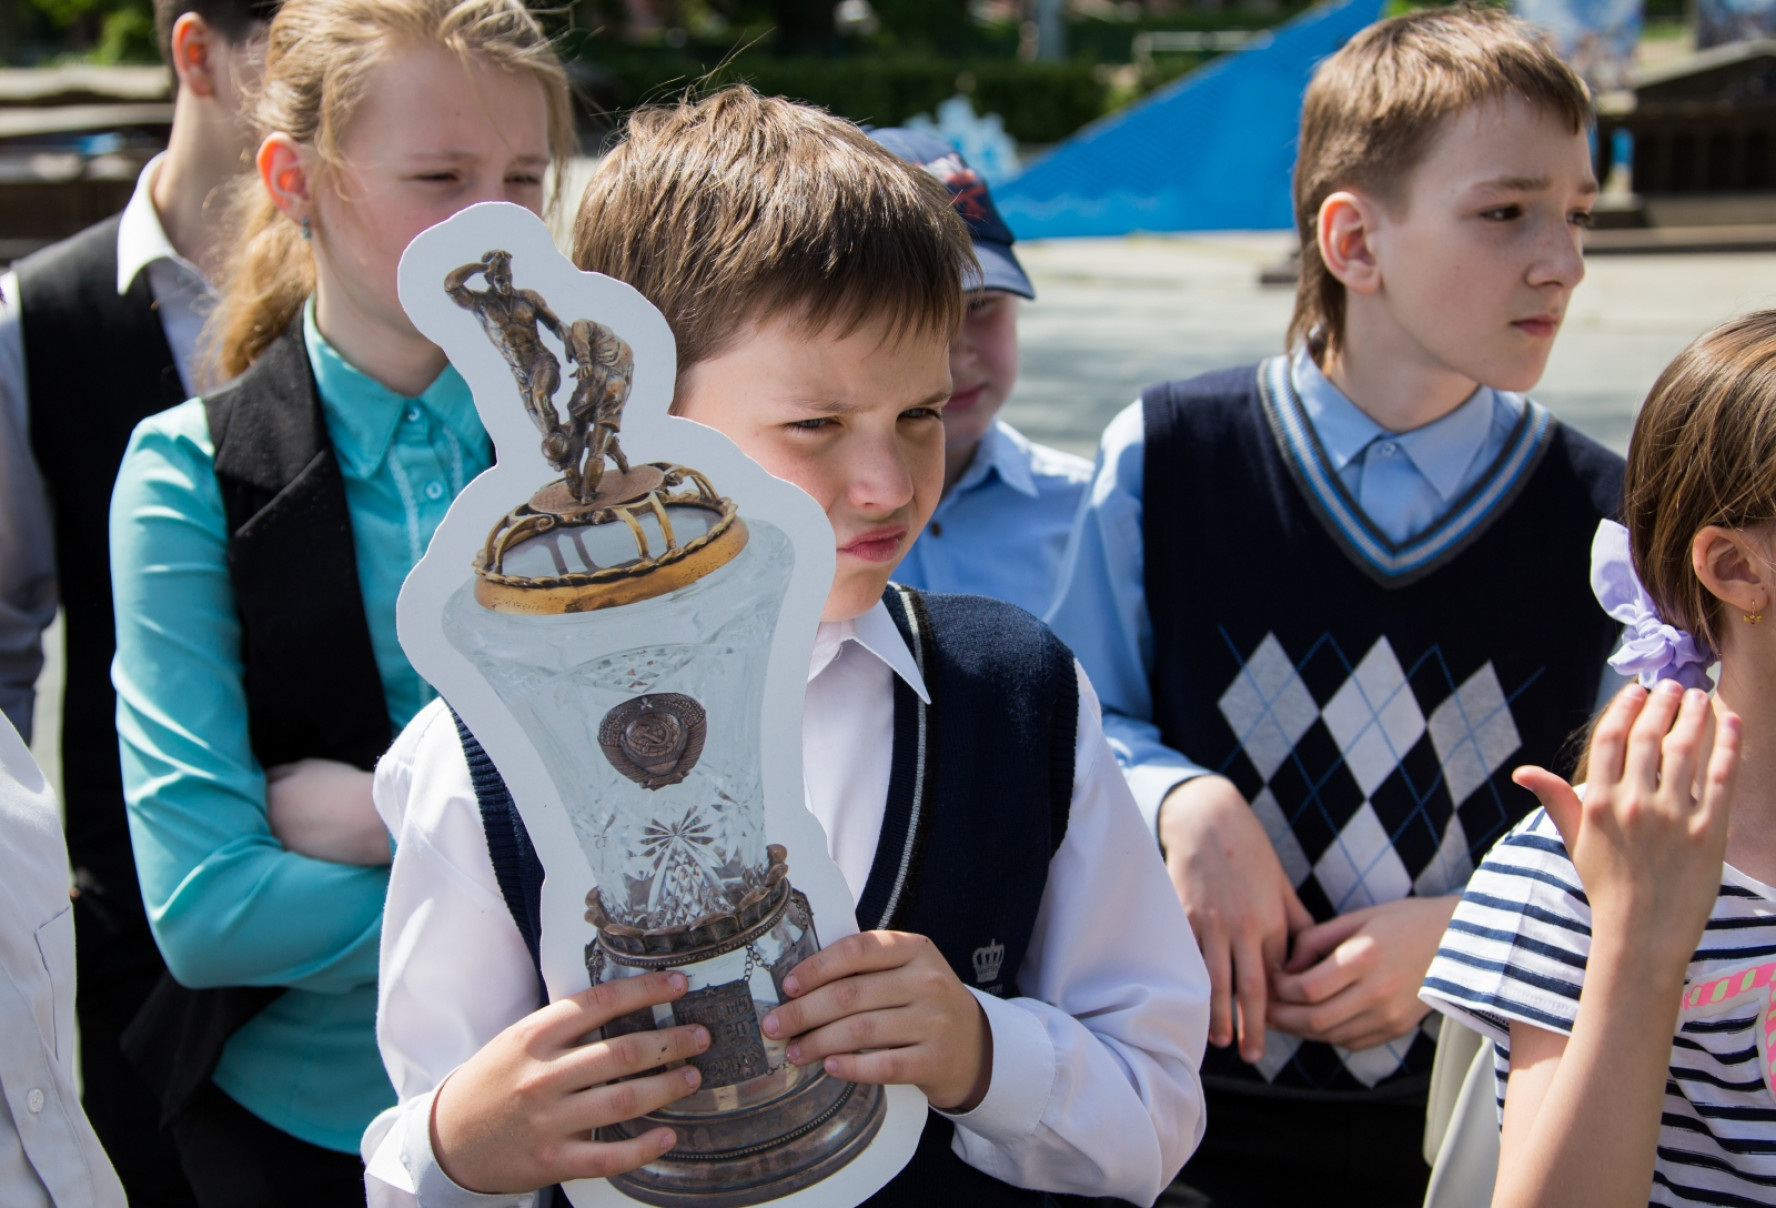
[605, 367]
[510, 317]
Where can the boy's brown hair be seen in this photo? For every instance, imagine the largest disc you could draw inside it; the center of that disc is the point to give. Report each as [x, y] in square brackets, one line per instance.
[237, 20]
[740, 208]
[1373, 109]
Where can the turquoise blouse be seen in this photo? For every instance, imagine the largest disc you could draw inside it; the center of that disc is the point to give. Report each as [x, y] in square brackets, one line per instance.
[228, 905]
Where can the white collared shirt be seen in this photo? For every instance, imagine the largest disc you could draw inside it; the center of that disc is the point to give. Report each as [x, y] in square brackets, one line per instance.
[1094, 1087]
[49, 1154]
[183, 301]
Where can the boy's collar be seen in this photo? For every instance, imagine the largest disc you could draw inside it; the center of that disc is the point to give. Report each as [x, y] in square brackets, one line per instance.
[142, 237]
[874, 631]
[1004, 451]
[1441, 451]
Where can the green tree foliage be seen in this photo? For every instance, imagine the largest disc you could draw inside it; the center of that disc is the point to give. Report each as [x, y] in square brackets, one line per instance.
[102, 31]
[941, 26]
[921, 52]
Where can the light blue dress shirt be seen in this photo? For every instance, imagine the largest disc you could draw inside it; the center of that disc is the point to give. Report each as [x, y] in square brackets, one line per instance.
[1001, 531]
[228, 905]
[1403, 481]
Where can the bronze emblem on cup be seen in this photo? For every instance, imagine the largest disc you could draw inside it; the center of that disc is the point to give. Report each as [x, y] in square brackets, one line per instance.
[654, 740]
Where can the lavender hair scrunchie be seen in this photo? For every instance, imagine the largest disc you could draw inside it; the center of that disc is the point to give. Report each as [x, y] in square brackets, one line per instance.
[1651, 649]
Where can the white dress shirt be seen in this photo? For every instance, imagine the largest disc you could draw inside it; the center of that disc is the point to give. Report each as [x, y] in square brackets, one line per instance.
[27, 552]
[49, 1155]
[1094, 1086]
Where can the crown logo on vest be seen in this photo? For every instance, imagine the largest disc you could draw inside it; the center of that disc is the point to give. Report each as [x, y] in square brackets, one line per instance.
[987, 961]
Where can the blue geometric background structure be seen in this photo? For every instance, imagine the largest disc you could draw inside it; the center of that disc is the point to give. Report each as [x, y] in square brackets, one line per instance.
[1211, 152]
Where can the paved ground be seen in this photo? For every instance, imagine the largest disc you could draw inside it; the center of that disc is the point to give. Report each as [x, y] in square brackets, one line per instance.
[1113, 315]
[1116, 314]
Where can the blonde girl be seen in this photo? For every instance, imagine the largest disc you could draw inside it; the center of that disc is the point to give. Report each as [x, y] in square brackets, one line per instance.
[260, 535]
[1620, 950]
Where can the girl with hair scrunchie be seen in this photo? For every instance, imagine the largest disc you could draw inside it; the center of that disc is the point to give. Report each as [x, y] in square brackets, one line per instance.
[1619, 945]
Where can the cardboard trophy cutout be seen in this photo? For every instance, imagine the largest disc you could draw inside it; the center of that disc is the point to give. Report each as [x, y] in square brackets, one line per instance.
[622, 611]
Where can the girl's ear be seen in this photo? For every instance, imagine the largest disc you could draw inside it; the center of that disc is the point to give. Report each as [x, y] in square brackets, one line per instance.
[1734, 566]
[283, 169]
[1346, 234]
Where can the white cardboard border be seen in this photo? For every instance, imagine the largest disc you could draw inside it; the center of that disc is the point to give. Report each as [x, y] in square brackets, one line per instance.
[649, 434]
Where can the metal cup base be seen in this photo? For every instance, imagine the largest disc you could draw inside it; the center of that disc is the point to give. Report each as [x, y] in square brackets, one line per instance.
[760, 1128]
[758, 1153]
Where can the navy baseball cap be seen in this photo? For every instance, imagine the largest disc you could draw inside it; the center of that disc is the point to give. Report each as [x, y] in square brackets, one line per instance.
[992, 238]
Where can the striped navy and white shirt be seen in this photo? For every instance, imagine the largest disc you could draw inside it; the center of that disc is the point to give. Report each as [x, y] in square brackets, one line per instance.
[1515, 952]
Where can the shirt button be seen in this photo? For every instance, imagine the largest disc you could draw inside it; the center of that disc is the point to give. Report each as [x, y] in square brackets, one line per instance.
[34, 1100]
[434, 490]
[1387, 448]
[935, 528]
[413, 413]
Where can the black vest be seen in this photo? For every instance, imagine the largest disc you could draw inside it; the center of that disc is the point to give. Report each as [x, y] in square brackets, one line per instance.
[1370, 705]
[312, 685]
[311, 679]
[96, 364]
[981, 783]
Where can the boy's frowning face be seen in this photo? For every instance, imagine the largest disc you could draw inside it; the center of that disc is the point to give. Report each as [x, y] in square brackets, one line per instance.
[855, 421]
[1478, 261]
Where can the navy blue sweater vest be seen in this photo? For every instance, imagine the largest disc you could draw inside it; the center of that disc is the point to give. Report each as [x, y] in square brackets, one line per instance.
[1369, 699]
[978, 801]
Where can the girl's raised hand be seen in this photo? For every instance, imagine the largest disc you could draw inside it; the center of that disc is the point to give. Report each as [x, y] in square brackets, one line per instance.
[1650, 835]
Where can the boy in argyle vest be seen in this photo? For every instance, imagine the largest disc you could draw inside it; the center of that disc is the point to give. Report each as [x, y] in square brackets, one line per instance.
[1331, 600]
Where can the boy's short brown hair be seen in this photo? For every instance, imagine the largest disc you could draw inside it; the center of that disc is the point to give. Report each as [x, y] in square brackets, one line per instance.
[740, 208]
[1373, 109]
[237, 20]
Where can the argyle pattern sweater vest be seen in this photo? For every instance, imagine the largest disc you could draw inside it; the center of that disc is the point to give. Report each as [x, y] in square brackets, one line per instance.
[1368, 698]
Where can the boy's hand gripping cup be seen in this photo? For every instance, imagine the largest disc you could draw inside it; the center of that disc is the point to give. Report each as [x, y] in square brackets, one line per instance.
[656, 751]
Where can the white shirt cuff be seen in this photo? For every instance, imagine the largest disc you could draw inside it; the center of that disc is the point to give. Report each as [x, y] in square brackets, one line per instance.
[409, 1165]
[1023, 1075]
[1149, 783]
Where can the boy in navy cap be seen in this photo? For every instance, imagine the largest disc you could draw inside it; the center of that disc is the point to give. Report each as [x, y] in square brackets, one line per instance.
[1008, 503]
